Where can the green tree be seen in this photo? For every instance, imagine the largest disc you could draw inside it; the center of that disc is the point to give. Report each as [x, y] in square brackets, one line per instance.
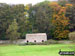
[7, 15]
[40, 18]
[12, 31]
[27, 23]
[63, 2]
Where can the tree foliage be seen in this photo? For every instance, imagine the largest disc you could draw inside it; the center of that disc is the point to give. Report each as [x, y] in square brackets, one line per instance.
[60, 21]
[7, 15]
[55, 19]
[12, 31]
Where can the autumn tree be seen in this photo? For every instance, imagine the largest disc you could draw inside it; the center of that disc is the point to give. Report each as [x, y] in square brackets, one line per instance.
[12, 31]
[60, 21]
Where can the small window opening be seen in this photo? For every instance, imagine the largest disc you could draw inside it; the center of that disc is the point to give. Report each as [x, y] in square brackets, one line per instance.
[34, 40]
[27, 41]
[42, 40]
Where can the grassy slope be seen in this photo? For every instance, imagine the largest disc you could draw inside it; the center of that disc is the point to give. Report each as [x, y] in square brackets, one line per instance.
[36, 50]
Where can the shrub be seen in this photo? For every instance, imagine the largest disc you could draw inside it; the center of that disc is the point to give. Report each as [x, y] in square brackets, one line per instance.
[43, 43]
[72, 36]
[30, 43]
[51, 42]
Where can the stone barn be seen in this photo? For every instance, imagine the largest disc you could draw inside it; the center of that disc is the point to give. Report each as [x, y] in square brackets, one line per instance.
[36, 37]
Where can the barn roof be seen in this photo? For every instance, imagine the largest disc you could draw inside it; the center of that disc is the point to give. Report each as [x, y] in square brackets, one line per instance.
[37, 34]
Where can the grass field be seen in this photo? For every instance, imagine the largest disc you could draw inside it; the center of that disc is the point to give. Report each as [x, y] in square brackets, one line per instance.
[34, 50]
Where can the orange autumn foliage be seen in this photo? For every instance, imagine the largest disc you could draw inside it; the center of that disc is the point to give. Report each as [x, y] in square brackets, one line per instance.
[60, 20]
[69, 5]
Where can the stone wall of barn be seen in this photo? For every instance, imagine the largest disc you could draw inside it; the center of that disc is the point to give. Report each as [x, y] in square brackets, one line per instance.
[40, 37]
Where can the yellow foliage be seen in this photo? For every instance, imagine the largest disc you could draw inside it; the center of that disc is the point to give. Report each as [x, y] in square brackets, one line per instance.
[25, 13]
[26, 7]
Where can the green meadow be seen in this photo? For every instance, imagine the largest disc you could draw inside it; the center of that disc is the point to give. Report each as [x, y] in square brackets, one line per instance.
[35, 50]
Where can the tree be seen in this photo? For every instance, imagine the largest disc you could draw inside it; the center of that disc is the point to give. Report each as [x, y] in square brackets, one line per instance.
[12, 31]
[7, 15]
[40, 18]
[37, 18]
[27, 23]
[63, 2]
[72, 1]
[3, 18]
[71, 14]
[60, 21]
